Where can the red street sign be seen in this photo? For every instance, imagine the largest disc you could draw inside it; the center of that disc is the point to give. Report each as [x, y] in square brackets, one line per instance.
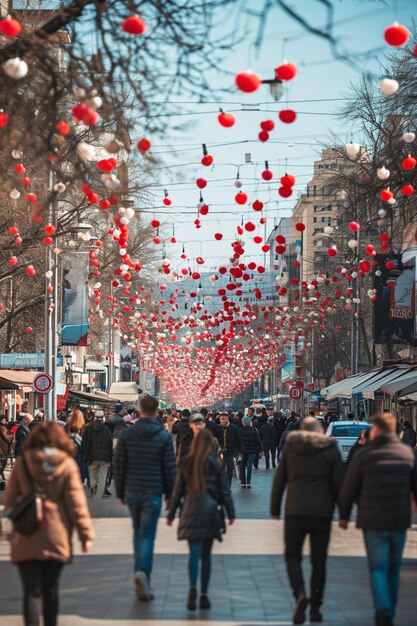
[295, 393]
[43, 383]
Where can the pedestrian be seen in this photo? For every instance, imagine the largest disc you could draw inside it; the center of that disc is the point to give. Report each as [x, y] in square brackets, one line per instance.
[75, 428]
[47, 463]
[181, 429]
[22, 432]
[311, 470]
[212, 427]
[379, 479]
[117, 424]
[408, 434]
[279, 425]
[97, 449]
[229, 439]
[250, 448]
[6, 441]
[291, 427]
[268, 437]
[362, 440]
[202, 488]
[144, 471]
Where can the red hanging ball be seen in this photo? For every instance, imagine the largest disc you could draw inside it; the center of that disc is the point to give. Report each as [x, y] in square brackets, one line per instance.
[288, 180]
[203, 210]
[13, 260]
[10, 27]
[155, 223]
[354, 226]
[47, 241]
[104, 204]
[4, 119]
[167, 201]
[250, 226]
[285, 192]
[50, 229]
[218, 236]
[207, 160]
[258, 239]
[29, 329]
[13, 230]
[286, 71]
[386, 194]
[257, 205]
[143, 145]
[407, 190]
[157, 240]
[370, 250]
[409, 163]
[31, 197]
[415, 50]
[20, 168]
[267, 175]
[280, 249]
[287, 116]
[134, 25]
[241, 198]
[248, 82]
[390, 265]
[226, 119]
[63, 128]
[263, 136]
[201, 183]
[92, 198]
[266, 248]
[280, 239]
[396, 35]
[332, 251]
[268, 125]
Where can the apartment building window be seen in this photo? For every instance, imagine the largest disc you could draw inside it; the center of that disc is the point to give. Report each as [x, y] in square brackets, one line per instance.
[326, 220]
[327, 166]
[315, 220]
[319, 243]
[319, 209]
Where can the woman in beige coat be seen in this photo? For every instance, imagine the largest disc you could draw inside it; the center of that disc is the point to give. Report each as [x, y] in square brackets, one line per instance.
[40, 556]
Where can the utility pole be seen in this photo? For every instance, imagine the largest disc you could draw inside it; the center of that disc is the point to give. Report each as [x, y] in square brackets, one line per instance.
[51, 280]
[355, 338]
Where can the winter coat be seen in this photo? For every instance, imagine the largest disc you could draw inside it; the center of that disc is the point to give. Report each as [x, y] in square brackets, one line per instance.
[408, 436]
[311, 469]
[64, 507]
[21, 434]
[144, 461]
[379, 479]
[229, 438]
[6, 440]
[279, 426]
[291, 427]
[267, 434]
[97, 443]
[250, 442]
[201, 517]
[181, 428]
[117, 425]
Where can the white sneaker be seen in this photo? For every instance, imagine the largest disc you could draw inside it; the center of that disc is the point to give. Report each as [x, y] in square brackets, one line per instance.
[142, 587]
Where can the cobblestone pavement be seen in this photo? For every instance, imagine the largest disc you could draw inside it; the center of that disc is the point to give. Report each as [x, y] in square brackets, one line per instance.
[249, 583]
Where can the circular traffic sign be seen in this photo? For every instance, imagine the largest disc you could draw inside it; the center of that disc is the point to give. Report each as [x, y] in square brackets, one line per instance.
[43, 383]
[295, 393]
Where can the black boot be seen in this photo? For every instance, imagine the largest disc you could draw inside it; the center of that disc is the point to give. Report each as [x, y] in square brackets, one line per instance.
[299, 616]
[205, 603]
[384, 619]
[315, 615]
[192, 599]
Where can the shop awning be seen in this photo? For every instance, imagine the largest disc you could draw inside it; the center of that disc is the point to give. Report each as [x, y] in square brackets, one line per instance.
[17, 379]
[347, 387]
[332, 389]
[91, 398]
[400, 384]
[125, 392]
[369, 387]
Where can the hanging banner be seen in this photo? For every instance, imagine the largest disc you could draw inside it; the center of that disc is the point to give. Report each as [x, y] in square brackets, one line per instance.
[74, 299]
[394, 308]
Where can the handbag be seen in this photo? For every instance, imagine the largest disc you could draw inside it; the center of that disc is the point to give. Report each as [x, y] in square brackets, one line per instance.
[27, 514]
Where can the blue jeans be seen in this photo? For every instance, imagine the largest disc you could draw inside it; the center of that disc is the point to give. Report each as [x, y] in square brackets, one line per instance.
[384, 550]
[246, 468]
[200, 550]
[145, 510]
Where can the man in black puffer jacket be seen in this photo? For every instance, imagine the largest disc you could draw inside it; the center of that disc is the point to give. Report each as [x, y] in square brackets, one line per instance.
[97, 449]
[312, 471]
[144, 470]
[379, 479]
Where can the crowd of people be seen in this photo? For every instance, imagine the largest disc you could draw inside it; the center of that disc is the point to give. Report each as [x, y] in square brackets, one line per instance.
[188, 461]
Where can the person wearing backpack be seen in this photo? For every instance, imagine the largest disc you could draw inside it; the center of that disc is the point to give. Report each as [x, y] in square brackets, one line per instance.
[47, 467]
[144, 471]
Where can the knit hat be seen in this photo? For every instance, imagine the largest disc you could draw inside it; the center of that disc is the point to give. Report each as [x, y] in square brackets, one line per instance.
[246, 421]
[186, 413]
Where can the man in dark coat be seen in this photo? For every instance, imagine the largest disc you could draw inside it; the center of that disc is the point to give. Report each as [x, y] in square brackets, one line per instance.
[408, 434]
[312, 471]
[267, 435]
[181, 429]
[25, 426]
[228, 436]
[144, 471]
[380, 479]
[97, 448]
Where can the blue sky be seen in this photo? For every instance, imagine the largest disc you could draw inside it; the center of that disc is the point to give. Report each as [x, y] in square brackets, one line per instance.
[359, 27]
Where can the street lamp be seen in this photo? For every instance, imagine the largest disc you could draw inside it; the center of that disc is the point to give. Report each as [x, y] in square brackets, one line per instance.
[276, 88]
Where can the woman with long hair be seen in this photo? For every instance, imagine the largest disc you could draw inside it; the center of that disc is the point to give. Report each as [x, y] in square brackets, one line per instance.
[75, 427]
[47, 466]
[203, 489]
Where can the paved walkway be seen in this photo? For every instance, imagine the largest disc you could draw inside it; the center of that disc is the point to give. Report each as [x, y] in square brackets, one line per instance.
[249, 583]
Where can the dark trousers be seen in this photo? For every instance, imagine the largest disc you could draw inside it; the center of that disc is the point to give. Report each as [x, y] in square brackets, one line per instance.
[200, 551]
[270, 449]
[229, 461]
[297, 527]
[40, 587]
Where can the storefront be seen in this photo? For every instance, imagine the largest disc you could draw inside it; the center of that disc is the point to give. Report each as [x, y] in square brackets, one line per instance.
[17, 393]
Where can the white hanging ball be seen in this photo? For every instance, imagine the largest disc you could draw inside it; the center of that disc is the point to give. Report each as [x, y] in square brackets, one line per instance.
[130, 214]
[371, 292]
[49, 274]
[199, 205]
[59, 187]
[94, 103]
[97, 286]
[352, 243]
[124, 267]
[85, 151]
[124, 221]
[116, 233]
[352, 149]
[79, 93]
[111, 181]
[392, 201]
[122, 251]
[14, 194]
[121, 210]
[15, 68]
[328, 230]
[382, 213]
[354, 274]
[17, 154]
[238, 183]
[389, 86]
[383, 173]
[378, 273]
[409, 137]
